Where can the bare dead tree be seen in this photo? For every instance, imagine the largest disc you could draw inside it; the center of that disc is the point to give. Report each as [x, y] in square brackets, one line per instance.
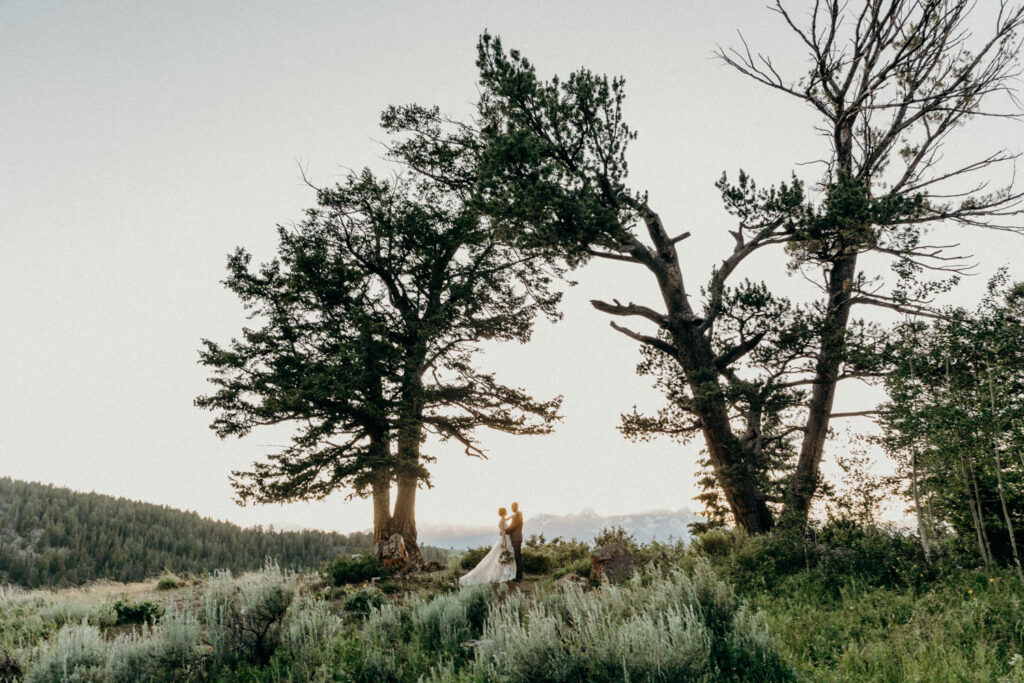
[892, 81]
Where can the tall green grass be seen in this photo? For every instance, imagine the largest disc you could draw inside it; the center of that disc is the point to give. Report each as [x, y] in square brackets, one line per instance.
[965, 627]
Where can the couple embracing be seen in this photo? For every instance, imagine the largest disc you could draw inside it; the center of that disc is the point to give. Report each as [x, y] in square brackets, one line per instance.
[504, 562]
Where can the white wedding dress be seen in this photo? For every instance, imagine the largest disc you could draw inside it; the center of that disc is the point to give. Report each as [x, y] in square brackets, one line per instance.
[490, 569]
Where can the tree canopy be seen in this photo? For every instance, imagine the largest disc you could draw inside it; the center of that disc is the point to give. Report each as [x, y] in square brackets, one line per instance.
[369, 319]
[955, 422]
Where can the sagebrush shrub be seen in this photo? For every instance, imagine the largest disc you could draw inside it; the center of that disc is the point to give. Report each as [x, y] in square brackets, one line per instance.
[656, 627]
[62, 610]
[446, 622]
[244, 616]
[169, 653]
[311, 630]
[76, 654]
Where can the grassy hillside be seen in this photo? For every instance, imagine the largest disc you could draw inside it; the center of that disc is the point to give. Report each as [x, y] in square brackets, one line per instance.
[840, 604]
[54, 536]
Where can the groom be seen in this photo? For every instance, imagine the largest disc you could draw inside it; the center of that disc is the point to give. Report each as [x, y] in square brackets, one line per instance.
[515, 534]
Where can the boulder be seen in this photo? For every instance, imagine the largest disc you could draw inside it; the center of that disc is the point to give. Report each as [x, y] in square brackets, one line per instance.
[612, 561]
[572, 580]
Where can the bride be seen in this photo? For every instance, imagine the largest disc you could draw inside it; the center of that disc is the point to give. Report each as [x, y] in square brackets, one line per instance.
[491, 569]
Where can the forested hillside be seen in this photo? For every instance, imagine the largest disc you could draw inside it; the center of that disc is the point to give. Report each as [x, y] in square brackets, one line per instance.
[55, 536]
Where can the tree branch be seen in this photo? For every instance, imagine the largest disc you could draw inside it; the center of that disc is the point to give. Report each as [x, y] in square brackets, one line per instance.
[630, 309]
[659, 344]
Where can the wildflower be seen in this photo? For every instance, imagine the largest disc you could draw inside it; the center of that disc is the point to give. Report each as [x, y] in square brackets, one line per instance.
[970, 590]
[991, 580]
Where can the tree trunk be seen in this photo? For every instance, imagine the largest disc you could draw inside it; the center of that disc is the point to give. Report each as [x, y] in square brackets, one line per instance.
[804, 482]
[381, 510]
[730, 460]
[731, 464]
[404, 519]
[922, 526]
[407, 471]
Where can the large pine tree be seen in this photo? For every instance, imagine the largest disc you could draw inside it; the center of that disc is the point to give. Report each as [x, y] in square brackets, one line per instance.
[367, 325]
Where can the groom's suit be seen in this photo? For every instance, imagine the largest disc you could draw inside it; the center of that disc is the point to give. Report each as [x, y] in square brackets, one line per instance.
[515, 534]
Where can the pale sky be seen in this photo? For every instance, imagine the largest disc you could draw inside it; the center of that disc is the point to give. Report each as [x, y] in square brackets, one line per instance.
[142, 142]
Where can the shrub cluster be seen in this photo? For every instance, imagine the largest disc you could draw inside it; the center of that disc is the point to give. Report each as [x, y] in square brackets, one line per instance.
[309, 639]
[346, 569]
[244, 617]
[78, 652]
[839, 600]
[541, 556]
[831, 555]
[144, 612]
[168, 582]
[363, 599]
[658, 626]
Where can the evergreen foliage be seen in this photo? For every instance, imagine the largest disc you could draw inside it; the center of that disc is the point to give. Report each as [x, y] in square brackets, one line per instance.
[55, 536]
[366, 329]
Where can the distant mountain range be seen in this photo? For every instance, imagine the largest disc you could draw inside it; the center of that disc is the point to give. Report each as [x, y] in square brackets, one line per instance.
[660, 525]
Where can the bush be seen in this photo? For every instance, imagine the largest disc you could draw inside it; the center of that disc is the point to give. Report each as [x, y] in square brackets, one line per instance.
[472, 557]
[718, 543]
[362, 601]
[63, 611]
[310, 632]
[443, 624]
[448, 579]
[244, 617]
[170, 653]
[346, 569]
[167, 582]
[10, 668]
[537, 560]
[762, 560]
[615, 534]
[77, 653]
[876, 556]
[658, 626]
[144, 612]
[580, 568]
[833, 555]
[660, 555]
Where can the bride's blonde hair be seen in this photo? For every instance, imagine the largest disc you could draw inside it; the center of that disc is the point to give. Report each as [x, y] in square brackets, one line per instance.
[502, 512]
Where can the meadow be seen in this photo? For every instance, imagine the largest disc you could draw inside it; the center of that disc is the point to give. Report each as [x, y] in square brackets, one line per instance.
[842, 603]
